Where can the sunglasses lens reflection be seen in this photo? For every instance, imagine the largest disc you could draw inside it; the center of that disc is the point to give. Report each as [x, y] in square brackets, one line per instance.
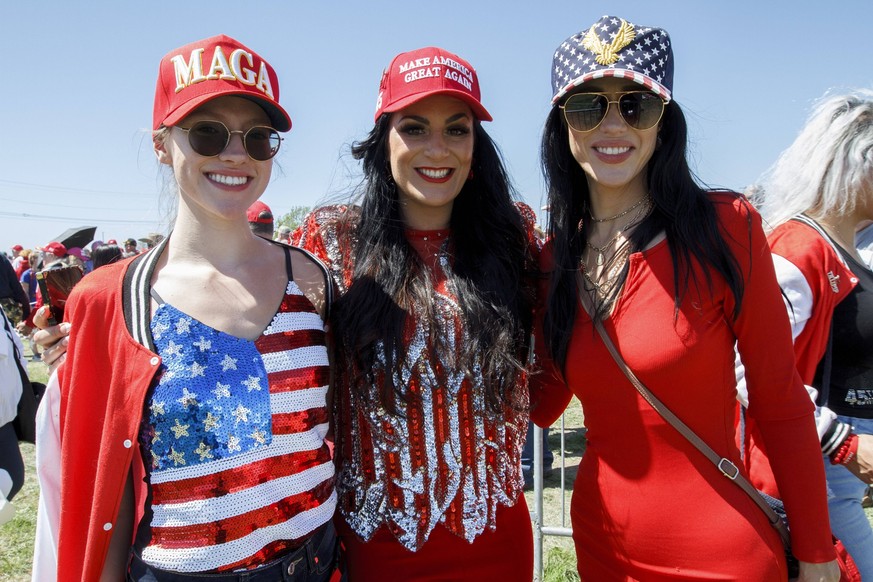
[262, 143]
[584, 111]
[639, 109]
[210, 138]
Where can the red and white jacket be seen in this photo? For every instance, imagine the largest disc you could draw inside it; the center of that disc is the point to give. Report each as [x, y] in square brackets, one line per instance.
[814, 278]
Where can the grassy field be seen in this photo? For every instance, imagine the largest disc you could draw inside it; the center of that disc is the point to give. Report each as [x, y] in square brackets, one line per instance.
[559, 557]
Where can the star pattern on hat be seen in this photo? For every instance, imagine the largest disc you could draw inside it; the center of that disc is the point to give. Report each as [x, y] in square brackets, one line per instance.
[204, 408]
[614, 44]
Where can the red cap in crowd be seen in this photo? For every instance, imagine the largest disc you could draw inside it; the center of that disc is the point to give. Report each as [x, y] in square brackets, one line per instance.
[17, 248]
[259, 213]
[55, 248]
[214, 67]
[417, 74]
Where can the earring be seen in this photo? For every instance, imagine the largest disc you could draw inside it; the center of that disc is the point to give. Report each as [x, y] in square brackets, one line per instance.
[470, 175]
[658, 142]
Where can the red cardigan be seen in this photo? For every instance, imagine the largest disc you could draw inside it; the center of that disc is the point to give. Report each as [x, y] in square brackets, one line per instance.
[103, 383]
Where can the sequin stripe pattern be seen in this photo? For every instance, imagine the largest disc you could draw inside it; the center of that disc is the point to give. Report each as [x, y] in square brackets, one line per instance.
[239, 472]
[320, 234]
[444, 458]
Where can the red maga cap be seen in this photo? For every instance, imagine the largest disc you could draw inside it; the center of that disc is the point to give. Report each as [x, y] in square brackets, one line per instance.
[55, 248]
[260, 213]
[214, 67]
[415, 75]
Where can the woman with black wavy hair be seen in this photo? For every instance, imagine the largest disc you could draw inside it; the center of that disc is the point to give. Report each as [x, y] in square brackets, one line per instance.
[677, 275]
[431, 327]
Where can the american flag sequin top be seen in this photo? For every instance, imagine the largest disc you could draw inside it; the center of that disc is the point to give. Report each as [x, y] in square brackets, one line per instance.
[446, 458]
[233, 441]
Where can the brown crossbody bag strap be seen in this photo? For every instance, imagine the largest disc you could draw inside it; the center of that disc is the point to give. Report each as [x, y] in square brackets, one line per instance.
[727, 468]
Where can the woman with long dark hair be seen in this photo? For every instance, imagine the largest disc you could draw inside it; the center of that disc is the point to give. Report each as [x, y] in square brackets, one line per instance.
[431, 331]
[676, 275]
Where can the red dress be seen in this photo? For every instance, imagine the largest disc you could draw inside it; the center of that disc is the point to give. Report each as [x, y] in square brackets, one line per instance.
[435, 492]
[646, 504]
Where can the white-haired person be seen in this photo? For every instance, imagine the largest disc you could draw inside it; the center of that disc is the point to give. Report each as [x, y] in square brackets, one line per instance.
[182, 437]
[813, 199]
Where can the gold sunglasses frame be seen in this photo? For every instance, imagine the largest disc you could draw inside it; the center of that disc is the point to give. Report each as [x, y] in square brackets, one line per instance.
[609, 103]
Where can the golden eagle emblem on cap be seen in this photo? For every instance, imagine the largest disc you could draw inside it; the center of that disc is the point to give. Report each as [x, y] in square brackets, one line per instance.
[607, 54]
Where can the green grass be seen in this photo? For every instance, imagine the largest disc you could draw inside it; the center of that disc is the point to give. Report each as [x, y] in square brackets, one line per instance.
[559, 556]
[16, 536]
[560, 566]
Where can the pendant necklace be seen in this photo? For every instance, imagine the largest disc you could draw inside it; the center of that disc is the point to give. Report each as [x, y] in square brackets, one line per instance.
[601, 251]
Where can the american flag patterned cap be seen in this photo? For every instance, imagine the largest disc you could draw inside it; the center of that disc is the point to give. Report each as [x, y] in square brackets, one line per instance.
[614, 47]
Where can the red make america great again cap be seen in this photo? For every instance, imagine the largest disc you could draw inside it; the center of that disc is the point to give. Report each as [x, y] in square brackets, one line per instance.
[210, 68]
[415, 75]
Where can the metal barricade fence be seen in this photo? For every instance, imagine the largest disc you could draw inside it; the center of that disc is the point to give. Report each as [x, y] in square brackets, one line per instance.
[540, 529]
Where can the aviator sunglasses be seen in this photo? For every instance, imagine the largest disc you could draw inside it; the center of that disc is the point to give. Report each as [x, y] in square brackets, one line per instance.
[210, 138]
[639, 109]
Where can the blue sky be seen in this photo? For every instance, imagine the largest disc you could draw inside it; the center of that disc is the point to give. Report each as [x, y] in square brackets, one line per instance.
[79, 80]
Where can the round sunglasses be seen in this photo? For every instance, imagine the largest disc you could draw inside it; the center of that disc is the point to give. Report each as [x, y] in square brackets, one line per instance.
[210, 138]
[639, 109]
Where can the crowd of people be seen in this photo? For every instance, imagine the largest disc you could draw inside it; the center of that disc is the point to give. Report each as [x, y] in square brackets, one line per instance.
[352, 399]
[26, 263]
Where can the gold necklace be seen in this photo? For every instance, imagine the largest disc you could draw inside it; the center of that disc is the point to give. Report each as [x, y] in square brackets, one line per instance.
[608, 278]
[637, 204]
[603, 287]
[638, 218]
[600, 250]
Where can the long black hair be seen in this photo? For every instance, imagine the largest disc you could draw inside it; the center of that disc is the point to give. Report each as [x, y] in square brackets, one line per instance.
[489, 270]
[682, 209]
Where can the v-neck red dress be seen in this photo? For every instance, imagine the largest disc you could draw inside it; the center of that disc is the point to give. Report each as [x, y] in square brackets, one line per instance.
[646, 504]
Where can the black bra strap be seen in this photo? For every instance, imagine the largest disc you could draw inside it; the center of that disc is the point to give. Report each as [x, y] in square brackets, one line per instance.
[288, 270]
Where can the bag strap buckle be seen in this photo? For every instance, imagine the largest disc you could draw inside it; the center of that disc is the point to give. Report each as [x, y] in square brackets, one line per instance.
[728, 469]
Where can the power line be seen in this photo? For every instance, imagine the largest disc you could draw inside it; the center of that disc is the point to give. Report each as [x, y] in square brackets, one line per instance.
[78, 206]
[66, 189]
[27, 216]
